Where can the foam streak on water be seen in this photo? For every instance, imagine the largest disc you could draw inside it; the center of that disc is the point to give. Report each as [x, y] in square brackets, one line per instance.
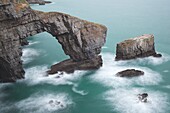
[81, 92]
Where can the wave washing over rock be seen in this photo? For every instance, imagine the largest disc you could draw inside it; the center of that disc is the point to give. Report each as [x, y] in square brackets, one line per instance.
[122, 93]
[125, 100]
[43, 103]
[107, 74]
[38, 75]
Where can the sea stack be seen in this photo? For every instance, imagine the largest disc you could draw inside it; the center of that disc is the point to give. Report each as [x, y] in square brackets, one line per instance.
[141, 46]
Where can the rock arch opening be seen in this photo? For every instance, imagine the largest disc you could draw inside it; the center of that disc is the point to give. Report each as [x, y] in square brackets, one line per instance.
[80, 39]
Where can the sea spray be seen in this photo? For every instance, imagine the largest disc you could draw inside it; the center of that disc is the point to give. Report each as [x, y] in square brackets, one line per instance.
[38, 75]
[29, 54]
[43, 103]
[125, 100]
[107, 74]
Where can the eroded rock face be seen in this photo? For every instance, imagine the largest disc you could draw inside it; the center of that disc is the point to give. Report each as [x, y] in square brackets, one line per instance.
[80, 39]
[142, 46]
[130, 73]
[69, 65]
[40, 2]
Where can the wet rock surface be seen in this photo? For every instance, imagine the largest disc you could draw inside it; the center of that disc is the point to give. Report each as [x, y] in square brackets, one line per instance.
[40, 2]
[142, 46]
[143, 97]
[130, 73]
[80, 39]
[69, 66]
[56, 103]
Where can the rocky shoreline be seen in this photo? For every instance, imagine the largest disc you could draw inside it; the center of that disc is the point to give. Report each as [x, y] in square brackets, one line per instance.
[80, 39]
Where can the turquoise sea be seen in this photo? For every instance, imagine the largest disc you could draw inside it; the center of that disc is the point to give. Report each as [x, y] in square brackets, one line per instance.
[97, 91]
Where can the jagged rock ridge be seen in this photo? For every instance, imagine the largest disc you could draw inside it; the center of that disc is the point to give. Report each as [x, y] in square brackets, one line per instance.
[80, 39]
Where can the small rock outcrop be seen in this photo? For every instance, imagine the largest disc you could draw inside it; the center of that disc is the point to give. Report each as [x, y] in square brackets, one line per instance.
[130, 73]
[40, 2]
[142, 46]
[143, 97]
[80, 39]
[69, 66]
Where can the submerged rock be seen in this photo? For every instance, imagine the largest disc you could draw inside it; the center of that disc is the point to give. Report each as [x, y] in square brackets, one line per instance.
[130, 73]
[142, 46]
[80, 39]
[143, 97]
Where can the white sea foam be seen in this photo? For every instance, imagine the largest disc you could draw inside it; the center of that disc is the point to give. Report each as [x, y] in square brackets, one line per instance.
[38, 75]
[81, 92]
[29, 54]
[107, 74]
[166, 71]
[33, 42]
[150, 60]
[43, 103]
[104, 47]
[126, 101]
[154, 60]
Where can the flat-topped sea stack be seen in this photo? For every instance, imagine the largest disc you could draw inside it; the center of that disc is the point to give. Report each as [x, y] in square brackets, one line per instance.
[142, 46]
[80, 39]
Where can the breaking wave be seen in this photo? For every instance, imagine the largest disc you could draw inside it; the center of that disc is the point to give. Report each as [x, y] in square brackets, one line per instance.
[38, 75]
[29, 54]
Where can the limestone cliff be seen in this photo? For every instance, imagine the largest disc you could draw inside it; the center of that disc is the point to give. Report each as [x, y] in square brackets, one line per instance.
[142, 46]
[80, 39]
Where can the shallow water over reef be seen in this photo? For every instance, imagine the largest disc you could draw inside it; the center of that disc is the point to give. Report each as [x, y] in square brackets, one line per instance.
[97, 91]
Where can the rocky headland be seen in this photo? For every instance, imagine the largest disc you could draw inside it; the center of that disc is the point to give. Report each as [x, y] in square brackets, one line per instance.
[80, 39]
[142, 46]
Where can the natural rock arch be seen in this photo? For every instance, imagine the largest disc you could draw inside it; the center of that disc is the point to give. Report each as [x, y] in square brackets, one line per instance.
[80, 39]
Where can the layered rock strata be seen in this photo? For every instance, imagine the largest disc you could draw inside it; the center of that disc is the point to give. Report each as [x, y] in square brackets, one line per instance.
[80, 39]
[142, 46]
